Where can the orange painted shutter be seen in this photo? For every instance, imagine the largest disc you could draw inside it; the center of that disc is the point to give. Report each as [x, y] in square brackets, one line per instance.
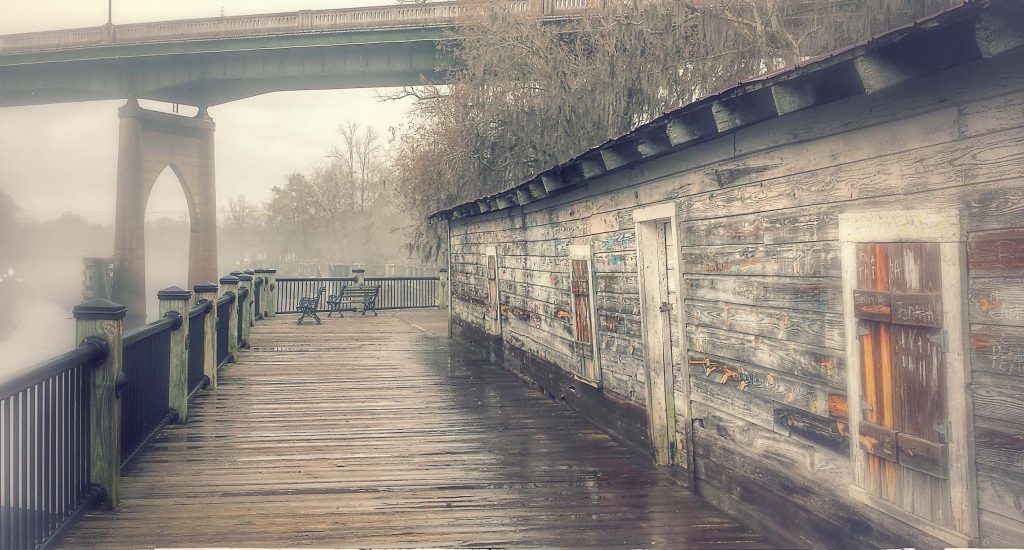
[897, 302]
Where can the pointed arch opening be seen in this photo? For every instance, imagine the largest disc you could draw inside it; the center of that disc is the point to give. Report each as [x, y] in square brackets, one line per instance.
[168, 223]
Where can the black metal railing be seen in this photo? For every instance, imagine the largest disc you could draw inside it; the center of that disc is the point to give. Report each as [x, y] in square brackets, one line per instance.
[291, 290]
[395, 292]
[197, 346]
[405, 292]
[243, 293]
[45, 446]
[258, 297]
[223, 315]
[145, 388]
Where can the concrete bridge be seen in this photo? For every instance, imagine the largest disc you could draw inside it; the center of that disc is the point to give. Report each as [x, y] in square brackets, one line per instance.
[206, 62]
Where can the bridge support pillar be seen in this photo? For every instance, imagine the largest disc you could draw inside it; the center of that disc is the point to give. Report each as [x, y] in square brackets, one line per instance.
[149, 142]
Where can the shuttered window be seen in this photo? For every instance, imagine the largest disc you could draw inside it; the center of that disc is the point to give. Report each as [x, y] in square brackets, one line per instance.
[903, 425]
[581, 282]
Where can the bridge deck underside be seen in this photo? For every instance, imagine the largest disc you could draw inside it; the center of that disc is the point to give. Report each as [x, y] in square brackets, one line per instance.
[379, 432]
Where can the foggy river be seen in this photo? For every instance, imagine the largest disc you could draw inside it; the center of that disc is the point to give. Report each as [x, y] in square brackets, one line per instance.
[38, 297]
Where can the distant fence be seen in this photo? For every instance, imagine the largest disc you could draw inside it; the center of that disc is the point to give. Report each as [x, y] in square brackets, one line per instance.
[395, 292]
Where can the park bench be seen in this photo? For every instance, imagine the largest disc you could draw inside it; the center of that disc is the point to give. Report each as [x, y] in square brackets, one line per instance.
[308, 306]
[354, 298]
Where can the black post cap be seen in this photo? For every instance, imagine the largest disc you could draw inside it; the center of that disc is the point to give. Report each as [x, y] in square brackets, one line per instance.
[229, 280]
[237, 272]
[249, 271]
[261, 270]
[358, 270]
[174, 293]
[204, 287]
[443, 270]
[99, 309]
[243, 276]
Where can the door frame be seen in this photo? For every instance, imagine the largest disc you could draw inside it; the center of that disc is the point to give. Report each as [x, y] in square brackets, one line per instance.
[645, 220]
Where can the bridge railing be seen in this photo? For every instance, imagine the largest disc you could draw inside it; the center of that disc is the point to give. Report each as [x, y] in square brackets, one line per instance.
[433, 13]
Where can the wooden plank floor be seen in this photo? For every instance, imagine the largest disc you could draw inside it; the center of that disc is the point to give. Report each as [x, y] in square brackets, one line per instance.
[377, 432]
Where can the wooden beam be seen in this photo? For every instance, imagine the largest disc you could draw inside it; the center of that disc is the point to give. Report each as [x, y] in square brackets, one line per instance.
[612, 158]
[794, 95]
[743, 110]
[998, 31]
[537, 190]
[653, 142]
[692, 126]
[878, 73]
[592, 166]
[523, 196]
[552, 182]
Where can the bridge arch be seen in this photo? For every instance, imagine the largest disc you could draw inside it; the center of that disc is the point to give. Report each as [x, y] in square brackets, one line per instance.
[150, 142]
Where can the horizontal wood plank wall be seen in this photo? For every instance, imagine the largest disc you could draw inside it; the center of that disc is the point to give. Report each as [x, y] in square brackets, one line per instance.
[758, 213]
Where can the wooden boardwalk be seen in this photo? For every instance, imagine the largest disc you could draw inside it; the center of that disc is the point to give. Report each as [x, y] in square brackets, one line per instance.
[377, 432]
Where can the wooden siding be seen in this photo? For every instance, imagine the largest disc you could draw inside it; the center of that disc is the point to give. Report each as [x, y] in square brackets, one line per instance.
[758, 213]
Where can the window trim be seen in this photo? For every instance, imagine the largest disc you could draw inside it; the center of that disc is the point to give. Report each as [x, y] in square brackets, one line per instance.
[945, 228]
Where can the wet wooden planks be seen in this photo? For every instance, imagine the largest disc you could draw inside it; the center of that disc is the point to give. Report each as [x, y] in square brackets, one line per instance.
[378, 432]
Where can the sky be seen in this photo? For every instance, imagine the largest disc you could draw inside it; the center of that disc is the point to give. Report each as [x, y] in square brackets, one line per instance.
[60, 158]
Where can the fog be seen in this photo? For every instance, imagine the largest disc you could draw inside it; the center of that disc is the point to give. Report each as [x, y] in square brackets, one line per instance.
[58, 167]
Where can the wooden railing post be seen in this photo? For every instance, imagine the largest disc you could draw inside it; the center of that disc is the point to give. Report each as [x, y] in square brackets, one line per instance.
[230, 284]
[442, 288]
[104, 320]
[177, 300]
[270, 300]
[245, 280]
[208, 292]
[263, 274]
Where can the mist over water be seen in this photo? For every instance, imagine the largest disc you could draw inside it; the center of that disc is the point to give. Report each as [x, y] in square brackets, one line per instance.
[36, 302]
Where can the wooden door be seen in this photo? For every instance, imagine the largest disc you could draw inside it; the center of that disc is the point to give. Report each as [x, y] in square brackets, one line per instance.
[903, 427]
[654, 240]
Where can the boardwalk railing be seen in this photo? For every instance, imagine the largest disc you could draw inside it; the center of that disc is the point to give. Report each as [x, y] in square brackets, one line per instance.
[375, 17]
[145, 388]
[395, 292]
[63, 443]
[44, 448]
[224, 307]
[197, 378]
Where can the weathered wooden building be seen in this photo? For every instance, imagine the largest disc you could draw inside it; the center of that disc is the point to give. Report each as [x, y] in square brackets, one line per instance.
[805, 294]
